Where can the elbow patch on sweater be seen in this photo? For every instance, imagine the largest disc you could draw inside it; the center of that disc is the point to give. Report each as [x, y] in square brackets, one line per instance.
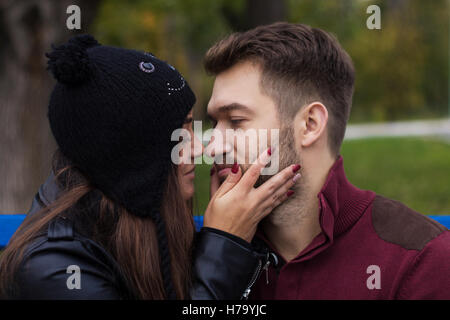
[396, 223]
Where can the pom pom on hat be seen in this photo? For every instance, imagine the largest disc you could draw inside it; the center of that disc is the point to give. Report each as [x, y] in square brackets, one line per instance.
[69, 62]
[85, 41]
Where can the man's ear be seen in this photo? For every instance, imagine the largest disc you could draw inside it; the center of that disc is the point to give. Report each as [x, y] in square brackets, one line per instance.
[313, 119]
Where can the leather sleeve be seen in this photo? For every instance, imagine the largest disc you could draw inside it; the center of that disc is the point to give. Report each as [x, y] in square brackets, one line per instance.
[223, 266]
[56, 270]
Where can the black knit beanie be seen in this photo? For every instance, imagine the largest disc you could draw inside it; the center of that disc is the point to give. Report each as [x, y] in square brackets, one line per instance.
[112, 113]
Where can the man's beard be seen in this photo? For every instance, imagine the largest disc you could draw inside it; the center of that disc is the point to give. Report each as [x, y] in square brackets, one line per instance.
[287, 152]
[291, 209]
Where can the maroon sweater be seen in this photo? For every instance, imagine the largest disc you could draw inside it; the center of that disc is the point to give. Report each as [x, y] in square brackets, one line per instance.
[370, 247]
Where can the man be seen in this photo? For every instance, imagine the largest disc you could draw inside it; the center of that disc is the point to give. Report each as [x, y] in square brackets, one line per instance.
[330, 240]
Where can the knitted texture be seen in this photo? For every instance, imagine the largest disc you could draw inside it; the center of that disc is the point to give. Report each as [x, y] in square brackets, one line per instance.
[112, 113]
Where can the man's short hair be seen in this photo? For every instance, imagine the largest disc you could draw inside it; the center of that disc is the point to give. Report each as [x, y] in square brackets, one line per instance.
[299, 65]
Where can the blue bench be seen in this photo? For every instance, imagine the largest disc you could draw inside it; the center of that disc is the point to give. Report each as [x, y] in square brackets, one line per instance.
[10, 222]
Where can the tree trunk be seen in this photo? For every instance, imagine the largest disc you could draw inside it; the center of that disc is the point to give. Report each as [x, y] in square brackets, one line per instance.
[256, 12]
[260, 12]
[27, 30]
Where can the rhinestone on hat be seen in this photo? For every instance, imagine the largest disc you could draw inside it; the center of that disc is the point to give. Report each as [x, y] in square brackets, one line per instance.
[147, 67]
[174, 89]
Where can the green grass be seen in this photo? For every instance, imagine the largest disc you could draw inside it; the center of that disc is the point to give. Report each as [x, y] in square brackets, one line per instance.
[415, 171]
[411, 170]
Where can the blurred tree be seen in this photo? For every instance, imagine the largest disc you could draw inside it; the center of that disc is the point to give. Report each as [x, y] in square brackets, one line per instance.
[253, 13]
[27, 29]
[389, 67]
[261, 12]
[402, 69]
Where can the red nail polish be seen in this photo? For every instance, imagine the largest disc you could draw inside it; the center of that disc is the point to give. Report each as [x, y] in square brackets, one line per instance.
[296, 168]
[212, 171]
[290, 193]
[235, 168]
[269, 151]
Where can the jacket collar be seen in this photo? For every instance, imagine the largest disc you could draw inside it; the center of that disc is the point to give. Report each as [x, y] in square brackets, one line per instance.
[341, 204]
[49, 190]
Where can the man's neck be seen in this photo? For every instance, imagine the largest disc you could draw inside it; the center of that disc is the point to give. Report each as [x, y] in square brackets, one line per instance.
[292, 226]
[293, 234]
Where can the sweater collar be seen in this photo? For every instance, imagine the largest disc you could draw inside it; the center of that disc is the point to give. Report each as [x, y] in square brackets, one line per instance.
[341, 203]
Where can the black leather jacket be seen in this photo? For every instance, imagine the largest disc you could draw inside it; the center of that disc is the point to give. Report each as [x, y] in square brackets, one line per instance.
[63, 264]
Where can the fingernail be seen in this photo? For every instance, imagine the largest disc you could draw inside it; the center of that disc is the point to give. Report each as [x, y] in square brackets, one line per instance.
[212, 171]
[235, 168]
[296, 168]
[290, 193]
[296, 177]
[269, 151]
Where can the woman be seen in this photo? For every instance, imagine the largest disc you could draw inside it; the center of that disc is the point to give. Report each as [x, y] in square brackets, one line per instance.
[114, 222]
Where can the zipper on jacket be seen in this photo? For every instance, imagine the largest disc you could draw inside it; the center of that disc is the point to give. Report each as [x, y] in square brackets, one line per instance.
[252, 281]
[268, 254]
[258, 272]
[266, 268]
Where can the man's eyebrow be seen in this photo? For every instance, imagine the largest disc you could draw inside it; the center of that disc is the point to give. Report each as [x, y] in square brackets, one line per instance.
[234, 106]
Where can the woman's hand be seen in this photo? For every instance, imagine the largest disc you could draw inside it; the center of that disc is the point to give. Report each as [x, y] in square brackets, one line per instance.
[237, 207]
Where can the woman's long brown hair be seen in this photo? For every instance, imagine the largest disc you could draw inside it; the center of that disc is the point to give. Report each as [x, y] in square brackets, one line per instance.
[131, 240]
